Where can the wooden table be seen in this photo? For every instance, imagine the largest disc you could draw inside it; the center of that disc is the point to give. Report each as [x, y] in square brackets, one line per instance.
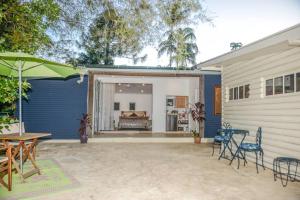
[27, 145]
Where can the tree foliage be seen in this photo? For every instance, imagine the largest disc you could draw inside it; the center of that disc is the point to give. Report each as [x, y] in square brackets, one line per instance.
[65, 30]
[181, 46]
[110, 36]
[174, 13]
[235, 45]
[120, 29]
[179, 43]
[9, 94]
[136, 24]
[23, 24]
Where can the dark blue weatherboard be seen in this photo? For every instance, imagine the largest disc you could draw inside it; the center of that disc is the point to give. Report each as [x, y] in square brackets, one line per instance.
[212, 122]
[55, 106]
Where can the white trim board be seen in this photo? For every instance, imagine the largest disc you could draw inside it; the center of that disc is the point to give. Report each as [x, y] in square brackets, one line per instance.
[130, 140]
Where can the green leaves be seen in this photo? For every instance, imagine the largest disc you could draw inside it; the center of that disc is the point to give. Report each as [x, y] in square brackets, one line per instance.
[181, 47]
[111, 35]
[8, 97]
[9, 93]
[23, 24]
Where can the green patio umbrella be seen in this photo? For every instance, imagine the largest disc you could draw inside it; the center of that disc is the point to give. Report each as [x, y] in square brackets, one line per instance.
[19, 65]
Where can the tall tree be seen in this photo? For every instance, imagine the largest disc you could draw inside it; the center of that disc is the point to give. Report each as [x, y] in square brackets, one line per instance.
[121, 29]
[110, 36]
[176, 16]
[24, 24]
[181, 45]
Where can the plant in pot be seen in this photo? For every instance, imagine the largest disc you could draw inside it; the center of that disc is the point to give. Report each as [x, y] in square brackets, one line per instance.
[198, 116]
[85, 123]
[8, 98]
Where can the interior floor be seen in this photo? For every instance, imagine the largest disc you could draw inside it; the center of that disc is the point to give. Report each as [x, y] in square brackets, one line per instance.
[131, 133]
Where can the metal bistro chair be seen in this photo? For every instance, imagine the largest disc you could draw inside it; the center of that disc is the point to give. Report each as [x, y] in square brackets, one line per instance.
[220, 137]
[252, 147]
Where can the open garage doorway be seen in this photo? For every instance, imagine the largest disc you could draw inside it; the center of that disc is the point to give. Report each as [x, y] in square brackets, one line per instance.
[122, 107]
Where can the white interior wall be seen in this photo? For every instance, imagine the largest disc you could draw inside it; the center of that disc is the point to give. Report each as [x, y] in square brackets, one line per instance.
[162, 86]
[143, 102]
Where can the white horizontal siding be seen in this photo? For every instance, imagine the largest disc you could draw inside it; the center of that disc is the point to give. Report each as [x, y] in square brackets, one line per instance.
[279, 115]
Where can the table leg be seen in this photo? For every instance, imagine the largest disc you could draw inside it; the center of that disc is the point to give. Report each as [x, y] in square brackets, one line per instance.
[16, 165]
[238, 151]
[224, 149]
[27, 153]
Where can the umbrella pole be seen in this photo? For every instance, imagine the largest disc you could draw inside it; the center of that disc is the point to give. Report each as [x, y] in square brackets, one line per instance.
[20, 113]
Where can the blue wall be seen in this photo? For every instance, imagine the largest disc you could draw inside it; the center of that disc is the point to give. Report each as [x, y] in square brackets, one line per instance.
[55, 106]
[212, 122]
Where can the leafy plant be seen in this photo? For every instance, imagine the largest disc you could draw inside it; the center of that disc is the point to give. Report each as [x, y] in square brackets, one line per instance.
[85, 122]
[5, 121]
[9, 93]
[198, 115]
[24, 24]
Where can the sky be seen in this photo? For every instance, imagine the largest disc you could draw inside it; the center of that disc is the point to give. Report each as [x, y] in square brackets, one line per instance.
[242, 21]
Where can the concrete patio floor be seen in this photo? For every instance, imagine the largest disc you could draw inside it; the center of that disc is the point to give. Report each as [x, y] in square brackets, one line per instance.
[159, 171]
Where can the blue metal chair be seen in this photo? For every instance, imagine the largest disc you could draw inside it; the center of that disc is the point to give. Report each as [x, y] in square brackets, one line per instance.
[253, 147]
[221, 136]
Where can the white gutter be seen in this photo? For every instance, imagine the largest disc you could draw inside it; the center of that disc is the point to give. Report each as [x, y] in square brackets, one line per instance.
[289, 36]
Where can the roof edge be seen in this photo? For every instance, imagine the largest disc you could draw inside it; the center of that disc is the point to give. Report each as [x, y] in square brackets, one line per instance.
[273, 39]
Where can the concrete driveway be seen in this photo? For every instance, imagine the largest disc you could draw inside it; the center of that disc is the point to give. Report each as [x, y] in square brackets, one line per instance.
[160, 171]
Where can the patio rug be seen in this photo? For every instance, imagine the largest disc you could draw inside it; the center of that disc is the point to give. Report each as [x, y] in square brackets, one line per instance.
[53, 179]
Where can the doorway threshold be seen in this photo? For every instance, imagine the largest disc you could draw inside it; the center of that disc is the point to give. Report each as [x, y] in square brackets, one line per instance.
[142, 134]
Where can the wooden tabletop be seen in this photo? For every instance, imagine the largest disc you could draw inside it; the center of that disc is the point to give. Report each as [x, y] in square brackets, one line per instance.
[24, 137]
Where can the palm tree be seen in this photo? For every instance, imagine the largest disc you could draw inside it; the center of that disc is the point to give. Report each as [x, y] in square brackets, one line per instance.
[168, 46]
[180, 46]
[235, 45]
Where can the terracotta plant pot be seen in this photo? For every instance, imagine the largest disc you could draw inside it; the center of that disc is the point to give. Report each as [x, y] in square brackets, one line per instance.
[197, 140]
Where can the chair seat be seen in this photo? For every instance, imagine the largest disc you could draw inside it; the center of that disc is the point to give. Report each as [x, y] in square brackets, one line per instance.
[221, 138]
[250, 146]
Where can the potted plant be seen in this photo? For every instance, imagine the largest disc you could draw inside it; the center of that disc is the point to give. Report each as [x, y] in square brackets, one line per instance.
[85, 123]
[198, 116]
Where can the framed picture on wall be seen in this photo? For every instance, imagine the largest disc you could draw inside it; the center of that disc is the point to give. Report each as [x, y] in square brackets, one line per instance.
[217, 100]
[131, 106]
[170, 102]
[116, 106]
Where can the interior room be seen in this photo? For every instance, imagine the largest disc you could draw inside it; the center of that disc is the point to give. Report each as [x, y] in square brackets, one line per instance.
[128, 106]
[115, 97]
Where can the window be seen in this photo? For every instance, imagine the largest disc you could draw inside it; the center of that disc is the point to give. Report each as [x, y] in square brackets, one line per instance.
[236, 94]
[289, 83]
[247, 91]
[241, 92]
[231, 94]
[117, 106]
[278, 84]
[218, 100]
[298, 82]
[131, 106]
[269, 87]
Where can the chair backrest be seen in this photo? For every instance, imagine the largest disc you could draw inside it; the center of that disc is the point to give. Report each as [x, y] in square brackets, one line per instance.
[227, 128]
[226, 125]
[258, 136]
